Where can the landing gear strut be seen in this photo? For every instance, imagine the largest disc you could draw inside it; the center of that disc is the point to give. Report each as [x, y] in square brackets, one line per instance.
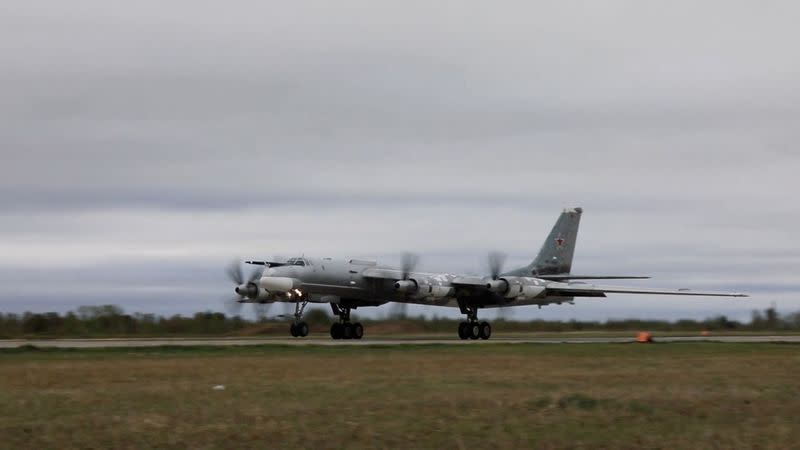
[472, 328]
[343, 329]
[298, 327]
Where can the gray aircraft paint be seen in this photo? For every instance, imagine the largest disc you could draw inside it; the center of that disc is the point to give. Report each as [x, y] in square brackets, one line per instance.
[555, 256]
[357, 283]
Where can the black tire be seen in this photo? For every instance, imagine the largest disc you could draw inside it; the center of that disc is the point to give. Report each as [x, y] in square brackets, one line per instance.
[474, 330]
[462, 330]
[336, 330]
[301, 329]
[358, 330]
[347, 331]
[293, 330]
[485, 330]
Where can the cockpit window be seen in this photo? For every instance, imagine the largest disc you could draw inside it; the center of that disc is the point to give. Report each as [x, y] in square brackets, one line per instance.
[296, 262]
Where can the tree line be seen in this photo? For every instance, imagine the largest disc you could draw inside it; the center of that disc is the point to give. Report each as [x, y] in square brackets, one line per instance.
[111, 320]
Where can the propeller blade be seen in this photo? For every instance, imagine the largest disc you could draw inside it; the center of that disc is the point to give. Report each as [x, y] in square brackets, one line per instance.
[504, 314]
[400, 310]
[287, 309]
[261, 310]
[233, 306]
[496, 261]
[408, 263]
[255, 275]
[234, 272]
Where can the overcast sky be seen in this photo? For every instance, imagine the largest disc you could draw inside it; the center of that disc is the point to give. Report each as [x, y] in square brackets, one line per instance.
[145, 144]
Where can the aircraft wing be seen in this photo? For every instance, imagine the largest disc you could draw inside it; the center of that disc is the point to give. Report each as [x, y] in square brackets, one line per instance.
[382, 273]
[266, 263]
[592, 290]
[477, 284]
[469, 281]
[396, 274]
[567, 277]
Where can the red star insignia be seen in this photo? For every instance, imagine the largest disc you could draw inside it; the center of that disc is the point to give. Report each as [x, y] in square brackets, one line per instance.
[559, 241]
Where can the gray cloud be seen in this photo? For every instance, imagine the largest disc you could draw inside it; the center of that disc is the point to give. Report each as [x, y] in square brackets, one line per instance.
[163, 139]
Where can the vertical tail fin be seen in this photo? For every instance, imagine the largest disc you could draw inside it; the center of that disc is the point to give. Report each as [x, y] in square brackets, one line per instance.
[555, 256]
[556, 253]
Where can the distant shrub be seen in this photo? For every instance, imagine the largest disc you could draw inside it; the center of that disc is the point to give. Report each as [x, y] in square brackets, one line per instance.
[111, 320]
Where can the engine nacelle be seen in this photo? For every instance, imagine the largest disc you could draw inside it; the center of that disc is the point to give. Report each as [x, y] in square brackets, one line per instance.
[253, 292]
[263, 294]
[429, 287]
[498, 286]
[247, 290]
[424, 287]
[280, 284]
[442, 291]
[406, 286]
[522, 288]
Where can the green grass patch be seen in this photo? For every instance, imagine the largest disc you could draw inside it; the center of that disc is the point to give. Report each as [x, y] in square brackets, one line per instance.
[676, 395]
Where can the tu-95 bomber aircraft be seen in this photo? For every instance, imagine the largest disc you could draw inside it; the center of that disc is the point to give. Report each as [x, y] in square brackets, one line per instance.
[353, 283]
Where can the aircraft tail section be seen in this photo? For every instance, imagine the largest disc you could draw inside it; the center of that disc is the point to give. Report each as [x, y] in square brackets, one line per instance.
[555, 256]
[556, 253]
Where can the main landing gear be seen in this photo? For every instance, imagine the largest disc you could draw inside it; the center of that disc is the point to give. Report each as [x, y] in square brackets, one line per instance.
[343, 329]
[298, 327]
[472, 329]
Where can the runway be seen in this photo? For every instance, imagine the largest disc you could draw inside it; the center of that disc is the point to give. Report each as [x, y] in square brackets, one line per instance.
[324, 341]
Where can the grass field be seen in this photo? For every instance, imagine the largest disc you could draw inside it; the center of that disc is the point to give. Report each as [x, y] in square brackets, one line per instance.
[679, 395]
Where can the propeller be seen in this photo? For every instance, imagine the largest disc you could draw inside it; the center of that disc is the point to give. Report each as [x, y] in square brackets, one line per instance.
[261, 310]
[244, 285]
[288, 311]
[236, 273]
[497, 285]
[504, 314]
[233, 305]
[408, 263]
[496, 261]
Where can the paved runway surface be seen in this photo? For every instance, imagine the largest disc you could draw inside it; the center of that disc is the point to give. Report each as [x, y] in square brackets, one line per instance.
[158, 342]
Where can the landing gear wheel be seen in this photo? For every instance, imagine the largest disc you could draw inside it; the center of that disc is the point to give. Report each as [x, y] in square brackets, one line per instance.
[347, 331]
[485, 330]
[473, 330]
[336, 330]
[343, 329]
[298, 328]
[462, 330]
[358, 330]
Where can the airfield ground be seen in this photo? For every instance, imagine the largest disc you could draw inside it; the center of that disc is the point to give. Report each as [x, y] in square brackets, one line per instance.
[663, 395]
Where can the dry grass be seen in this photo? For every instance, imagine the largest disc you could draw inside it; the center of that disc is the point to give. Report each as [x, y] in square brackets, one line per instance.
[546, 396]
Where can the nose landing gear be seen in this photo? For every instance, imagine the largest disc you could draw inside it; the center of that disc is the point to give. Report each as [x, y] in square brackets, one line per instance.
[299, 328]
